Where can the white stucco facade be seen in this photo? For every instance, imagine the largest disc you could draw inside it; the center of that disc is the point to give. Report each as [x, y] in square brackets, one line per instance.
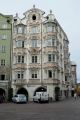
[40, 55]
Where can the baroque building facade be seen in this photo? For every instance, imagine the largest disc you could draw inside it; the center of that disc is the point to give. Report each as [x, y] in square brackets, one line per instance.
[40, 55]
[5, 52]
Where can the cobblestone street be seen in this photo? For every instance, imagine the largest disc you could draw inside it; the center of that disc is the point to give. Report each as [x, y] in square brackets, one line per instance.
[68, 109]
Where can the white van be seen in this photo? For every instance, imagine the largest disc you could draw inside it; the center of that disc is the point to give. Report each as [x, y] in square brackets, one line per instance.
[41, 96]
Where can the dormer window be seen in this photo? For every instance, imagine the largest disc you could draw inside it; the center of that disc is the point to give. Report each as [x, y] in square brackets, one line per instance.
[20, 30]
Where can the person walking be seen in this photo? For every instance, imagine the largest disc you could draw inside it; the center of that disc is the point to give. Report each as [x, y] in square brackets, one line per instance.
[75, 95]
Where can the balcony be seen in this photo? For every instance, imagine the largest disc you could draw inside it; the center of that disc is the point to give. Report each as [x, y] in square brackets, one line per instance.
[50, 64]
[34, 65]
[20, 66]
[19, 82]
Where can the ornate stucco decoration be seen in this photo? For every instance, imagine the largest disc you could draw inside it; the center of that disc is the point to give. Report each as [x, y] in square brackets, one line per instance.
[53, 64]
[20, 51]
[20, 66]
[34, 66]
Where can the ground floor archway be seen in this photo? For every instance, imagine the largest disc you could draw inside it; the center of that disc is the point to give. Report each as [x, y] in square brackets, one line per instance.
[23, 91]
[2, 92]
[40, 89]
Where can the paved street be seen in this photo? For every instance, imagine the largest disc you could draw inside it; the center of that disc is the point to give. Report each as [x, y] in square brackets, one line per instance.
[68, 109]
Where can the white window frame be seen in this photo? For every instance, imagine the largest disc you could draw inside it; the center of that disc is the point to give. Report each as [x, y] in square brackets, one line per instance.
[20, 59]
[3, 62]
[51, 42]
[3, 49]
[34, 58]
[4, 37]
[20, 30]
[20, 43]
[51, 57]
[53, 72]
[4, 26]
[19, 74]
[34, 30]
[34, 74]
[50, 28]
[34, 43]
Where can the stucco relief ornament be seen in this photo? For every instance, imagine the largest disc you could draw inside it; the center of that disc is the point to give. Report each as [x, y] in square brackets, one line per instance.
[50, 11]
[33, 6]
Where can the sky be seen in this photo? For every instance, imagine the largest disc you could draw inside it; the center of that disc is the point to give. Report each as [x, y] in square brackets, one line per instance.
[67, 13]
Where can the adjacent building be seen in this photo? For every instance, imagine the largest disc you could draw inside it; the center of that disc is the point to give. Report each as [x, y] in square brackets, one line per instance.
[73, 76]
[5, 52]
[41, 59]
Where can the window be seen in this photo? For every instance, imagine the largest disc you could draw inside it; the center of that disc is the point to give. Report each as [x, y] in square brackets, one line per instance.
[51, 73]
[34, 30]
[3, 48]
[20, 30]
[51, 42]
[20, 43]
[2, 62]
[65, 78]
[34, 59]
[34, 74]
[51, 57]
[4, 37]
[50, 29]
[2, 77]
[4, 26]
[19, 74]
[34, 43]
[20, 59]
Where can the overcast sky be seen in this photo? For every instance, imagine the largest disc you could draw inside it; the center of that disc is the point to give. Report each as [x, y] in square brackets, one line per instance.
[67, 13]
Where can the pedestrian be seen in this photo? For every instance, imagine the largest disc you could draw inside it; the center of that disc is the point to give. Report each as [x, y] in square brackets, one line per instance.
[75, 95]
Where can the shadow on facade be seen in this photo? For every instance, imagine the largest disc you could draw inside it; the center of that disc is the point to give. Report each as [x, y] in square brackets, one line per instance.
[23, 91]
[40, 89]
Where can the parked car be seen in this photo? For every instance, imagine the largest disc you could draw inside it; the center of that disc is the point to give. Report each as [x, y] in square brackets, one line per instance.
[1, 99]
[41, 97]
[19, 98]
